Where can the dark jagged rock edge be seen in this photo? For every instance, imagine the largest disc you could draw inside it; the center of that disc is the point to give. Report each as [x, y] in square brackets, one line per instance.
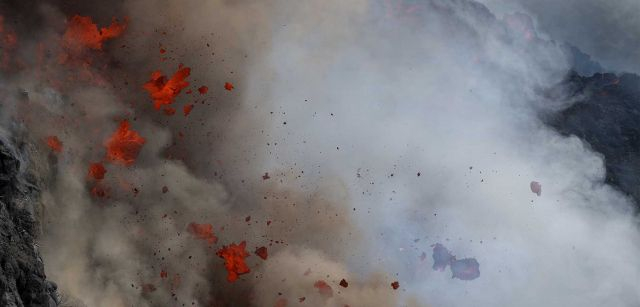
[22, 278]
[606, 115]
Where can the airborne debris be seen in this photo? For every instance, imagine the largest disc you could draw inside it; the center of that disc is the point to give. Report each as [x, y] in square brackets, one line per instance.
[124, 145]
[203, 90]
[265, 176]
[344, 283]
[83, 33]
[97, 171]
[54, 143]
[163, 91]
[536, 187]
[262, 252]
[228, 86]
[203, 232]
[233, 256]
[441, 257]
[395, 285]
[323, 288]
[187, 109]
[465, 269]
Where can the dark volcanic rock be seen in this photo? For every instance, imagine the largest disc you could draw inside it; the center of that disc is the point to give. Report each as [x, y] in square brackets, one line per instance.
[607, 116]
[22, 278]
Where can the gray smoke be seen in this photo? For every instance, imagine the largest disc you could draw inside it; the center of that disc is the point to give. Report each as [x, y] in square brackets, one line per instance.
[384, 127]
[607, 30]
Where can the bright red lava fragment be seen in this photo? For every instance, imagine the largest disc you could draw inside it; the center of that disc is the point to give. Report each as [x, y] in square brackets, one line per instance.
[163, 91]
[82, 32]
[97, 171]
[203, 90]
[124, 145]
[203, 232]
[323, 288]
[233, 256]
[187, 109]
[228, 86]
[162, 51]
[163, 274]
[344, 283]
[169, 111]
[395, 285]
[262, 252]
[54, 143]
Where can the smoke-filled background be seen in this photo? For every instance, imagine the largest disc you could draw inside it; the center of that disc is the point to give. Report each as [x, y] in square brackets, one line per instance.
[357, 135]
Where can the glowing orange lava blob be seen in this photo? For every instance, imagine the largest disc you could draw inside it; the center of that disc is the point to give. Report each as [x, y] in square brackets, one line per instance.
[83, 33]
[203, 90]
[97, 171]
[54, 143]
[228, 86]
[124, 145]
[163, 91]
[203, 232]
[233, 256]
[187, 109]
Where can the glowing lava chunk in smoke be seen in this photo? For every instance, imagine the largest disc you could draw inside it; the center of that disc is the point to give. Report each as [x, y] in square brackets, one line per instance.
[124, 145]
[82, 32]
[203, 232]
[233, 256]
[163, 91]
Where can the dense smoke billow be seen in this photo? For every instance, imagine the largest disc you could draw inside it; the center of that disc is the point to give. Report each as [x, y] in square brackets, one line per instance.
[346, 137]
[607, 30]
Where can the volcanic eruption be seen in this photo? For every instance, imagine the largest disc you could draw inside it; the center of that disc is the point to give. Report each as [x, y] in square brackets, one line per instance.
[310, 153]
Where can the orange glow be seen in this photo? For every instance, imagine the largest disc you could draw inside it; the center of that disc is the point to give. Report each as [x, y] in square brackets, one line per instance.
[54, 143]
[187, 109]
[233, 256]
[83, 33]
[228, 86]
[124, 145]
[163, 91]
[97, 171]
[203, 232]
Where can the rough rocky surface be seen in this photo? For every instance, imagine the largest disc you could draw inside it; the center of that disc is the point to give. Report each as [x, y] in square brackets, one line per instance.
[22, 278]
[606, 115]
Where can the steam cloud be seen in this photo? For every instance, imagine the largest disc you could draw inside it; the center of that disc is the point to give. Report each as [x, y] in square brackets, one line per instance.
[384, 127]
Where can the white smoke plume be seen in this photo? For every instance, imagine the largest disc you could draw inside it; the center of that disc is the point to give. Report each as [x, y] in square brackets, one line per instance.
[358, 134]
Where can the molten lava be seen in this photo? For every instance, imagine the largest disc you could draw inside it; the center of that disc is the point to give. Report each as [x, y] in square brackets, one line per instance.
[228, 86]
[83, 33]
[97, 171]
[203, 232]
[233, 256]
[187, 109]
[54, 143]
[163, 91]
[124, 145]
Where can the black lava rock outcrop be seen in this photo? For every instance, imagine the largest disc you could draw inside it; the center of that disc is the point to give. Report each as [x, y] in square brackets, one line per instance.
[22, 278]
[606, 115]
